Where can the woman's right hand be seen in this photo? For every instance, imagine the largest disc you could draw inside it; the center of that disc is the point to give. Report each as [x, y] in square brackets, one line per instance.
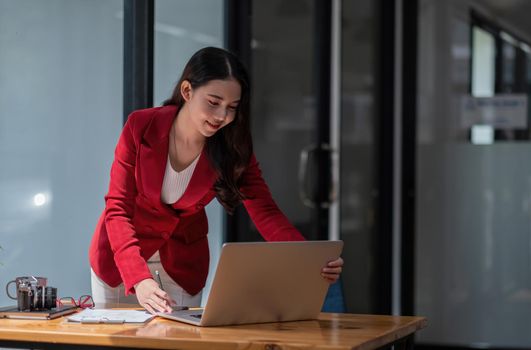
[152, 298]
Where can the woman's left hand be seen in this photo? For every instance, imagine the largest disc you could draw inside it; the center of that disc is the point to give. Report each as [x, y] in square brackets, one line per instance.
[332, 270]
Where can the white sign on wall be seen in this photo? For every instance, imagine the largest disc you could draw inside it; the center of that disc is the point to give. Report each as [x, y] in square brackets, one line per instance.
[504, 111]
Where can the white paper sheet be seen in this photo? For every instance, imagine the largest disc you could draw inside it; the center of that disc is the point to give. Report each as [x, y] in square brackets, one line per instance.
[111, 316]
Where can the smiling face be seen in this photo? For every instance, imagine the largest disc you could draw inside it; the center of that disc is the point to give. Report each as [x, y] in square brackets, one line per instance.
[211, 106]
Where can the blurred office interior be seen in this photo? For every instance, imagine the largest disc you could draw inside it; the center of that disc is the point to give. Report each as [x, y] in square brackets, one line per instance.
[368, 119]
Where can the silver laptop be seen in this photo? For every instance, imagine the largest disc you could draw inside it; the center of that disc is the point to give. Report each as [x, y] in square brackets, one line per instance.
[265, 282]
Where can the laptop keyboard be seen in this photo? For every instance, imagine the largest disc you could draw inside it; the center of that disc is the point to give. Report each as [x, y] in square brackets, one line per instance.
[196, 316]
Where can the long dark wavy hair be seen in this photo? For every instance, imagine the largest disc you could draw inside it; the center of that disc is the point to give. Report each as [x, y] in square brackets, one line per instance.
[230, 148]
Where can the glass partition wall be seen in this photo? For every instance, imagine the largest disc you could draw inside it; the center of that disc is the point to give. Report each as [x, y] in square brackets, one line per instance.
[473, 227]
[61, 113]
[60, 116]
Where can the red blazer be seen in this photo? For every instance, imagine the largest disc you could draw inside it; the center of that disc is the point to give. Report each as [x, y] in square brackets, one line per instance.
[135, 223]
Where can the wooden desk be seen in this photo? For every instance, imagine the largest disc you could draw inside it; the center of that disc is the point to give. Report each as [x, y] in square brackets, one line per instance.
[330, 331]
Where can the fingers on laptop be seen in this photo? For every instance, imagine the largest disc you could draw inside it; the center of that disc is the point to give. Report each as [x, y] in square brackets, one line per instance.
[332, 270]
[336, 263]
[330, 277]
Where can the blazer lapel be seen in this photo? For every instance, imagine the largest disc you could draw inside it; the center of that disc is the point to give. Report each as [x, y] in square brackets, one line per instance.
[202, 180]
[154, 152]
[153, 159]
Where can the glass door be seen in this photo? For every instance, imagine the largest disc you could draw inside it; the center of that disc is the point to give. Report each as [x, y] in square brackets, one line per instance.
[313, 74]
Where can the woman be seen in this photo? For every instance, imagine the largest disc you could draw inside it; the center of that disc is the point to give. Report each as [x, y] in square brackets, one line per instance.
[169, 163]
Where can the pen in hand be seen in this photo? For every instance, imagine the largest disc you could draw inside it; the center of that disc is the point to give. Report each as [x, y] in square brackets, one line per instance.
[174, 307]
[158, 279]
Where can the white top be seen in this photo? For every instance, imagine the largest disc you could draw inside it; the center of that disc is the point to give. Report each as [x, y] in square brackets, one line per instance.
[175, 182]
